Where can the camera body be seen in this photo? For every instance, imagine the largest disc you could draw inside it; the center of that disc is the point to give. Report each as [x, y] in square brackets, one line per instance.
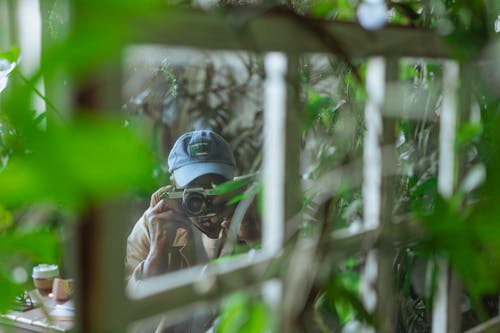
[196, 201]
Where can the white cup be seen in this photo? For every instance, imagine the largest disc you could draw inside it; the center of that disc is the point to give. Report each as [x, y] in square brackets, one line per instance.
[43, 277]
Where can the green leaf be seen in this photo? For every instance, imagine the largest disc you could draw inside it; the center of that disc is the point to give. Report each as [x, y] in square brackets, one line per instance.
[233, 185]
[348, 281]
[467, 133]
[342, 293]
[317, 107]
[12, 55]
[87, 160]
[259, 320]
[407, 72]
[324, 9]
[234, 314]
[5, 218]
[423, 196]
[244, 313]
[9, 290]
[237, 198]
[38, 246]
[469, 242]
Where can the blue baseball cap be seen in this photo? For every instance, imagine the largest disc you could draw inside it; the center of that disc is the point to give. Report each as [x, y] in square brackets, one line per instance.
[198, 153]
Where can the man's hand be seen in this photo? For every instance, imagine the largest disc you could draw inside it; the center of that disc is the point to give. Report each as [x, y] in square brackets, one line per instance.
[162, 220]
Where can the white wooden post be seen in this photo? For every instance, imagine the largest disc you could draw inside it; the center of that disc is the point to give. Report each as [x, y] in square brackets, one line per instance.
[372, 174]
[273, 174]
[30, 42]
[274, 152]
[446, 183]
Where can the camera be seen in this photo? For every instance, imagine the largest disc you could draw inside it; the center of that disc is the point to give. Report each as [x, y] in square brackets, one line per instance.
[196, 201]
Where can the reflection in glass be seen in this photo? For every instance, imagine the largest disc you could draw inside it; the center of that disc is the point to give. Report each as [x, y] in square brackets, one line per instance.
[169, 92]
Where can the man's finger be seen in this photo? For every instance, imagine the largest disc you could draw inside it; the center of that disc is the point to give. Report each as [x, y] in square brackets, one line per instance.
[156, 196]
[163, 205]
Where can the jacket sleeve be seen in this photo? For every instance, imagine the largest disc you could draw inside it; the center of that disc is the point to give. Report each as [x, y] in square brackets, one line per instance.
[138, 243]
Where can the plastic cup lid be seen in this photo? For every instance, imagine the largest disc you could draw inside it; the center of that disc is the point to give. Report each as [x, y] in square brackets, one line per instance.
[45, 271]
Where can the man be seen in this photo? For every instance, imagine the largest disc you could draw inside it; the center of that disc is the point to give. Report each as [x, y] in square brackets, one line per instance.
[165, 238]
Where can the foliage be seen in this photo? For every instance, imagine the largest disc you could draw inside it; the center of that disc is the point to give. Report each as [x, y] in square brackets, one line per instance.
[90, 166]
[452, 230]
[66, 164]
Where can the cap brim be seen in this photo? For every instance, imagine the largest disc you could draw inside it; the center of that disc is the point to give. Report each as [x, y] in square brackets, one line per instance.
[186, 174]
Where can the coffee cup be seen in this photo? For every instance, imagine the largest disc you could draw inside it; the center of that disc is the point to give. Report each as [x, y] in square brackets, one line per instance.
[62, 289]
[43, 278]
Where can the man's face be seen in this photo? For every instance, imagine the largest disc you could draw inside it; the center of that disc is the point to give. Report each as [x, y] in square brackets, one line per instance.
[212, 226]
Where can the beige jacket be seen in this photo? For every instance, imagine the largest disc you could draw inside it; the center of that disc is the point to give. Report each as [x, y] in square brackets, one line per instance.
[189, 248]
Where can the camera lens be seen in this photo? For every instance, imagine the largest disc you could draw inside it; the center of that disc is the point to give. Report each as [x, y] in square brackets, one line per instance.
[195, 204]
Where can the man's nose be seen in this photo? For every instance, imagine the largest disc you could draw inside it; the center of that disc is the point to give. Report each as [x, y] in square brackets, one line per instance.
[214, 219]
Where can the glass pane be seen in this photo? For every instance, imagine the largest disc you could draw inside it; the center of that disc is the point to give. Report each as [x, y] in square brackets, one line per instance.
[211, 103]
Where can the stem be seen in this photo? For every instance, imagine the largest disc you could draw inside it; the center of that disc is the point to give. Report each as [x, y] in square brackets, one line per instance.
[39, 94]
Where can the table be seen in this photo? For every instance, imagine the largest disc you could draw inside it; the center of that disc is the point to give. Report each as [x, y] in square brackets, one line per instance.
[37, 320]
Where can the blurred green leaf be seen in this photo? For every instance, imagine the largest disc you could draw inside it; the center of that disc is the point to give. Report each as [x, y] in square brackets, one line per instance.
[467, 133]
[346, 9]
[234, 184]
[234, 314]
[9, 290]
[407, 72]
[351, 263]
[259, 319]
[404, 13]
[317, 107]
[343, 294]
[12, 55]
[5, 218]
[349, 280]
[86, 160]
[324, 9]
[237, 198]
[243, 313]
[38, 246]
[470, 244]
[423, 196]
